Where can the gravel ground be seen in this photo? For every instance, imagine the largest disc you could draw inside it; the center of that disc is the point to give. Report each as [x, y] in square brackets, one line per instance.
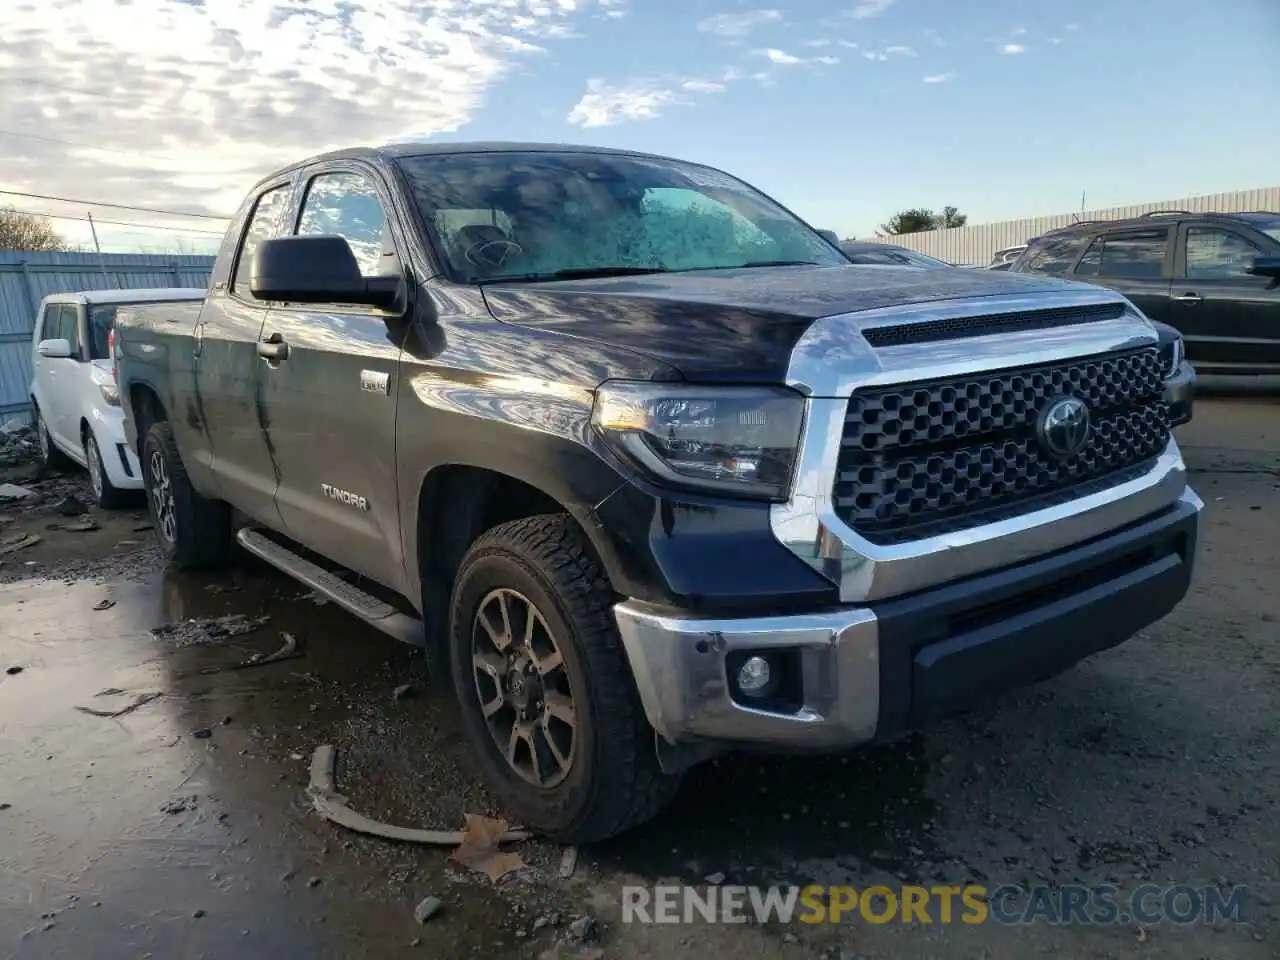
[1154, 762]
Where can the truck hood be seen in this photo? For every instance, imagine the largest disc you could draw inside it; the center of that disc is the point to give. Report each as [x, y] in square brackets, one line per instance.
[733, 324]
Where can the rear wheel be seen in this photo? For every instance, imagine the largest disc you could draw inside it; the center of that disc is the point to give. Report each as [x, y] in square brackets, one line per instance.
[193, 531]
[51, 457]
[547, 699]
[106, 495]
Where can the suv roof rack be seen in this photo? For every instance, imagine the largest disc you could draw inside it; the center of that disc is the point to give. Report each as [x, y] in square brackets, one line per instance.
[1167, 213]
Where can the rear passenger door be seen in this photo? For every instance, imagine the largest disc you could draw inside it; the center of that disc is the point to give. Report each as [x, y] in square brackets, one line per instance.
[1137, 263]
[1227, 316]
[229, 373]
[330, 398]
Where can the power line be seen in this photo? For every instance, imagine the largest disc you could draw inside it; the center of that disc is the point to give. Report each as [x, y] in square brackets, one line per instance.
[67, 143]
[93, 146]
[116, 206]
[122, 223]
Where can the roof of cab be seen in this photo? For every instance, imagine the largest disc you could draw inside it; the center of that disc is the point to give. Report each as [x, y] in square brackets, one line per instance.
[144, 295]
[423, 148]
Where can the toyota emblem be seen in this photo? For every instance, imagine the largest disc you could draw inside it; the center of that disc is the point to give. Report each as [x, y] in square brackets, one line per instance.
[1064, 427]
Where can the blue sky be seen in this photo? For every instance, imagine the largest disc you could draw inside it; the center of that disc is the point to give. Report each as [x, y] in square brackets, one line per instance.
[845, 110]
[1031, 102]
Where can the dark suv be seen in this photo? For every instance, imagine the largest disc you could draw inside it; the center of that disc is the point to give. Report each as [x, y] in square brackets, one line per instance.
[1215, 277]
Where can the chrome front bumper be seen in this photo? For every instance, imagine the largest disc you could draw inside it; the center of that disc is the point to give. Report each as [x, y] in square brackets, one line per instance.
[872, 672]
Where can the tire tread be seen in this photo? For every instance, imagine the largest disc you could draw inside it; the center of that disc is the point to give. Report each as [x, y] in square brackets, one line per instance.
[633, 788]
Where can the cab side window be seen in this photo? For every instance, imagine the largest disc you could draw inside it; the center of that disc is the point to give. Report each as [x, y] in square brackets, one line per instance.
[264, 224]
[346, 205]
[1218, 255]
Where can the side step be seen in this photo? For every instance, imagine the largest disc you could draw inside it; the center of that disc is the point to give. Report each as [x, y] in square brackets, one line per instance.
[375, 612]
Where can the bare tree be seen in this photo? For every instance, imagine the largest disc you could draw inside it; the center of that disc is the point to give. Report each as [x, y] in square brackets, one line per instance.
[28, 231]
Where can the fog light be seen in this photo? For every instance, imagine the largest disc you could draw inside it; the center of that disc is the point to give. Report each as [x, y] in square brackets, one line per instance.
[755, 677]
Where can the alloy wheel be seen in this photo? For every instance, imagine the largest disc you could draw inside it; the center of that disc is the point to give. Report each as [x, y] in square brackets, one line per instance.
[162, 505]
[523, 688]
[95, 465]
[46, 441]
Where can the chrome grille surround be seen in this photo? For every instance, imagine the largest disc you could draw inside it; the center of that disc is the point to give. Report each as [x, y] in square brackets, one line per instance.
[832, 360]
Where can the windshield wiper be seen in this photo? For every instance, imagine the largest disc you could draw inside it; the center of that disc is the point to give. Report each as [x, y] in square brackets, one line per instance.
[576, 273]
[781, 263]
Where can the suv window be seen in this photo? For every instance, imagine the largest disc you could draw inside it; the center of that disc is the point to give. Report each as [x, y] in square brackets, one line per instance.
[1218, 255]
[49, 323]
[60, 324]
[263, 225]
[1138, 256]
[347, 205]
[1052, 255]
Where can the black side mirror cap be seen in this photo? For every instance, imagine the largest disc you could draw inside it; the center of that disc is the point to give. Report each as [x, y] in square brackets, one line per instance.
[830, 237]
[317, 269]
[1265, 267]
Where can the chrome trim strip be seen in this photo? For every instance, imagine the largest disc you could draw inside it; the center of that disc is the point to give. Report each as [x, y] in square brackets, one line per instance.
[832, 359]
[679, 668]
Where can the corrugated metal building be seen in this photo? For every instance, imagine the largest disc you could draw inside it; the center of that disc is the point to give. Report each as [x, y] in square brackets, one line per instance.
[25, 278]
[976, 244]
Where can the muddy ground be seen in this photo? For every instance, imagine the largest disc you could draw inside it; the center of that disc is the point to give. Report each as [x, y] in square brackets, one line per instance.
[182, 827]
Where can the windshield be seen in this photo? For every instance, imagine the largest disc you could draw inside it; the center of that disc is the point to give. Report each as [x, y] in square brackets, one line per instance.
[102, 318]
[535, 216]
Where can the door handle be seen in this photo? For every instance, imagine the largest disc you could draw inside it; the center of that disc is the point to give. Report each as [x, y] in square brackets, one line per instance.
[1189, 298]
[273, 349]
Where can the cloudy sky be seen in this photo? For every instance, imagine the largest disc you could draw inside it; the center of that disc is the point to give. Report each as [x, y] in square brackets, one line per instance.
[846, 110]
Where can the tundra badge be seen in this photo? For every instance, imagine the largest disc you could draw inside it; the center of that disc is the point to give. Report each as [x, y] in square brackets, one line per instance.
[375, 381]
[344, 496]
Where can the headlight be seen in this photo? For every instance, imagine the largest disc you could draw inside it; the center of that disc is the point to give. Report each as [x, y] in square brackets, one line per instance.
[1171, 351]
[110, 393]
[736, 440]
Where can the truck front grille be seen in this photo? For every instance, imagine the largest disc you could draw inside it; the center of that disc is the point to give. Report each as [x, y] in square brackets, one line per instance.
[925, 458]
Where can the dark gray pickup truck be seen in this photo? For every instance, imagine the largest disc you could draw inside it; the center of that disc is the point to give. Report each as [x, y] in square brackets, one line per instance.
[648, 467]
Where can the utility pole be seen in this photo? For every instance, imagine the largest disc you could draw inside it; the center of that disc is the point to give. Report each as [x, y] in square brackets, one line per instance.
[102, 264]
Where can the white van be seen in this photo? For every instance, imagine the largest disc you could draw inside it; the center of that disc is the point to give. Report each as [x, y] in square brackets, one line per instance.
[73, 389]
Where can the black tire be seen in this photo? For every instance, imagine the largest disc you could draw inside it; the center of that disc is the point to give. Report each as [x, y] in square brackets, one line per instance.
[104, 494]
[613, 781]
[51, 458]
[192, 531]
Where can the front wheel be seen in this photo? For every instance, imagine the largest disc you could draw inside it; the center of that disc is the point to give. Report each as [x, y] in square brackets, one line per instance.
[53, 459]
[547, 700]
[193, 531]
[108, 497]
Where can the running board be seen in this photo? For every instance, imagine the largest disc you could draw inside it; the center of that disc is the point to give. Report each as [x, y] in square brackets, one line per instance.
[375, 612]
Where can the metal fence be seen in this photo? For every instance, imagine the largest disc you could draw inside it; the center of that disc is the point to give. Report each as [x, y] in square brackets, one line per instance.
[976, 244]
[26, 277]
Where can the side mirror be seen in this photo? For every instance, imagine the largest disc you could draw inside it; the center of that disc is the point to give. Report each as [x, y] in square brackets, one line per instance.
[830, 237]
[1265, 267]
[54, 349]
[316, 270]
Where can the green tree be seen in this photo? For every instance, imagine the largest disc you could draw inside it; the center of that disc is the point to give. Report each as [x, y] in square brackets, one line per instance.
[27, 231]
[922, 218]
